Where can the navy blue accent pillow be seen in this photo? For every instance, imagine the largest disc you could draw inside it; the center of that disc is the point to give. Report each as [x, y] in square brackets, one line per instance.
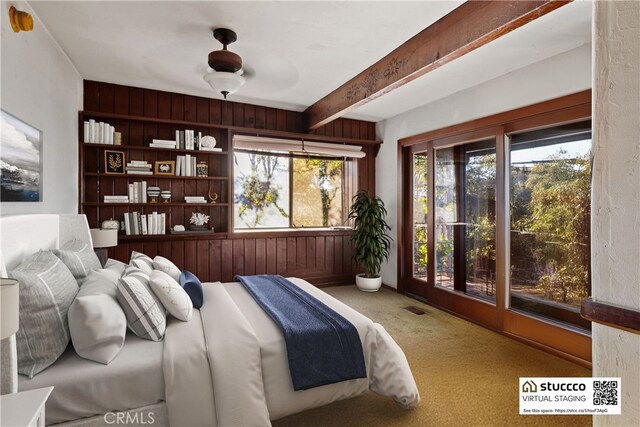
[192, 286]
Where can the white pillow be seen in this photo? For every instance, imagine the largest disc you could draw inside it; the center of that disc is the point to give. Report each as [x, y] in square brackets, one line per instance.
[79, 257]
[171, 295]
[115, 265]
[47, 290]
[97, 324]
[163, 264]
[145, 314]
[142, 262]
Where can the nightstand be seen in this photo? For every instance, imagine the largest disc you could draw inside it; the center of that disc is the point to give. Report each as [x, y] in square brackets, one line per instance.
[25, 408]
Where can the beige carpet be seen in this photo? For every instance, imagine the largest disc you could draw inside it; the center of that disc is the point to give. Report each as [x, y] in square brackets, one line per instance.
[467, 375]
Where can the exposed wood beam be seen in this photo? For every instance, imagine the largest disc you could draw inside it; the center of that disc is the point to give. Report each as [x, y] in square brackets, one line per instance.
[470, 26]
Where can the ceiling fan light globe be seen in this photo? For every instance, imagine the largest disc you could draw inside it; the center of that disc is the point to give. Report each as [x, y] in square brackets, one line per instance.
[224, 82]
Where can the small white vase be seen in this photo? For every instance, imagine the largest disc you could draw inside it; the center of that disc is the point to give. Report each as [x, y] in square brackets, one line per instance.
[366, 284]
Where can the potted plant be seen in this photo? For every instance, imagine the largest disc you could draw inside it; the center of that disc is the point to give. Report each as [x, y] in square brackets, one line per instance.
[370, 240]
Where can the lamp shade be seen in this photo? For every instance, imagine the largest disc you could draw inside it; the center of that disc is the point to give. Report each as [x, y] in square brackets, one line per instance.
[9, 304]
[104, 238]
[224, 82]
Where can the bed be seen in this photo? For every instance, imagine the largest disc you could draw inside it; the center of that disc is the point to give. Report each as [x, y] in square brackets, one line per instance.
[227, 366]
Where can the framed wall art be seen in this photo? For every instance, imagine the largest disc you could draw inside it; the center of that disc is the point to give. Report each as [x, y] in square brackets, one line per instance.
[20, 160]
[114, 162]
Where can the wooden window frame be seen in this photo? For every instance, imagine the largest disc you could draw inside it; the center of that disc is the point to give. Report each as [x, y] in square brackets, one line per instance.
[547, 335]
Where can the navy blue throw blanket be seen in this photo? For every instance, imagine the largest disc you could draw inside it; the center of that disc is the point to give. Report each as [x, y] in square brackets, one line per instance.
[322, 346]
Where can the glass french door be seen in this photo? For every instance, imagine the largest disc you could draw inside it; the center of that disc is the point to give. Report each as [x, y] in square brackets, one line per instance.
[497, 229]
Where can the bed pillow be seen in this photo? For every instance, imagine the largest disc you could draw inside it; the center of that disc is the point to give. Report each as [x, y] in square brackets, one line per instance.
[171, 295]
[144, 312]
[47, 289]
[79, 257]
[115, 265]
[163, 264]
[192, 286]
[141, 261]
[97, 323]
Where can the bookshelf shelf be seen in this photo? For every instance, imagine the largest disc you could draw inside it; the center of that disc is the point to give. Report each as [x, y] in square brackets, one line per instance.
[147, 148]
[159, 204]
[142, 177]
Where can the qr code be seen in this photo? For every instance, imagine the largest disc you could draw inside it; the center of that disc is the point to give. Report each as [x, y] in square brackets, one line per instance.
[605, 392]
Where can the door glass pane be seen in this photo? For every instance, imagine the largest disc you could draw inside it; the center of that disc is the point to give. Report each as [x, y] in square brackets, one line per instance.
[465, 218]
[420, 207]
[550, 186]
[445, 215]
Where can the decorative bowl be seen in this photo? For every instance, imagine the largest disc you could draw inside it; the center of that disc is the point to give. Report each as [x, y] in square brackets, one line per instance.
[153, 193]
[166, 195]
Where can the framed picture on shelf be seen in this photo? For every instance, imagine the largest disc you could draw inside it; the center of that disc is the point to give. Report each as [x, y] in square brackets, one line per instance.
[165, 167]
[114, 162]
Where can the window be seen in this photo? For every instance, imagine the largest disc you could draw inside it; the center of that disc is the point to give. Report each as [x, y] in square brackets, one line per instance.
[550, 187]
[275, 189]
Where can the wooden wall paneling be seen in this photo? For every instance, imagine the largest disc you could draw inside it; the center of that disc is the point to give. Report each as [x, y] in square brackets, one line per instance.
[337, 258]
[271, 255]
[177, 106]
[227, 261]
[191, 256]
[177, 253]
[238, 256]
[281, 249]
[202, 110]
[281, 120]
[249, 257]
[292, 121]
[215, 112]
[215, 260]
[272, 119]
[261, 256]
[249, 116]
[320, 254]
[301, 253]
[120, 99]
[91, 98]
[310, 251]
[238, 114]
[190, 108]
[164, 249]
[164, 105]
[292, 256]
[260, 117]
[203, 263]
[227, 113]
[329, 247]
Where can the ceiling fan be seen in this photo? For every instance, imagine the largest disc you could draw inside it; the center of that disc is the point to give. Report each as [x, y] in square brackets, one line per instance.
[226, 76]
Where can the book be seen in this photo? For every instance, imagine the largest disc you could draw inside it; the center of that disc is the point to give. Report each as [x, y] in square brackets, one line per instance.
[127, 225]
[143, 224]
[187, 161]
[210, 149]
[164, 141]
[139, 172]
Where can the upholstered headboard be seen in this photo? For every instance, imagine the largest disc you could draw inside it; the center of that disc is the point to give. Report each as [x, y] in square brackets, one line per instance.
[23, 235]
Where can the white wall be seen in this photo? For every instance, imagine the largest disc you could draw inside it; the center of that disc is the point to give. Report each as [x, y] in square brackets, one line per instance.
[560, 75]
[616, 196]
[41, 87]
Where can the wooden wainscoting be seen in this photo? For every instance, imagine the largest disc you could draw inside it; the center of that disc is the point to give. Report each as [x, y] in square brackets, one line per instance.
[320, 257]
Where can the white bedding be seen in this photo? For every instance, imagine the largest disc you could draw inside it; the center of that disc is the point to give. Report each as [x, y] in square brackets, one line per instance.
[83, 388]
[247, 378]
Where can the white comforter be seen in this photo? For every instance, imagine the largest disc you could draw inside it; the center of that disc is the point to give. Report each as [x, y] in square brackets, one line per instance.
[228, 366]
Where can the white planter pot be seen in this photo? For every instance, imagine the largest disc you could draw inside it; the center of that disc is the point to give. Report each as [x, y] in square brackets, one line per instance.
[368, 284]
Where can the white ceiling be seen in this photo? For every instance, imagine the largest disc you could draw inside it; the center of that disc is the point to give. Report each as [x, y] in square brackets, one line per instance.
[294, 52]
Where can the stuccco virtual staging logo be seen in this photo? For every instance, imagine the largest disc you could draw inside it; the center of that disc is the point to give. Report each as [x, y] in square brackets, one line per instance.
[563, 396]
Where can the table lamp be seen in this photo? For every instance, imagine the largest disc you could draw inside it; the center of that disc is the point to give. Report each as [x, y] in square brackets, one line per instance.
[9, 306]
[103, 239]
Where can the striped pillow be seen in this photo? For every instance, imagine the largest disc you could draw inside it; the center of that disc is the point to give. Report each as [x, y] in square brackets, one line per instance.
[79, 257]
[142, 262]
[47, 289]
[145, 314]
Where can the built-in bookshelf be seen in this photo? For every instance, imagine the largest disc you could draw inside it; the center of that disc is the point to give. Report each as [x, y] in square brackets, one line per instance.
[135, 136]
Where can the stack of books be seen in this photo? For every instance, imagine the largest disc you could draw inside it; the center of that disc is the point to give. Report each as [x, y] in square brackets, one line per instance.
[136, 223]
[186, 165]
[98, 132]
[116, 199]
[163, 143]
[138, 192]
[139, 167]
[194, 199]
